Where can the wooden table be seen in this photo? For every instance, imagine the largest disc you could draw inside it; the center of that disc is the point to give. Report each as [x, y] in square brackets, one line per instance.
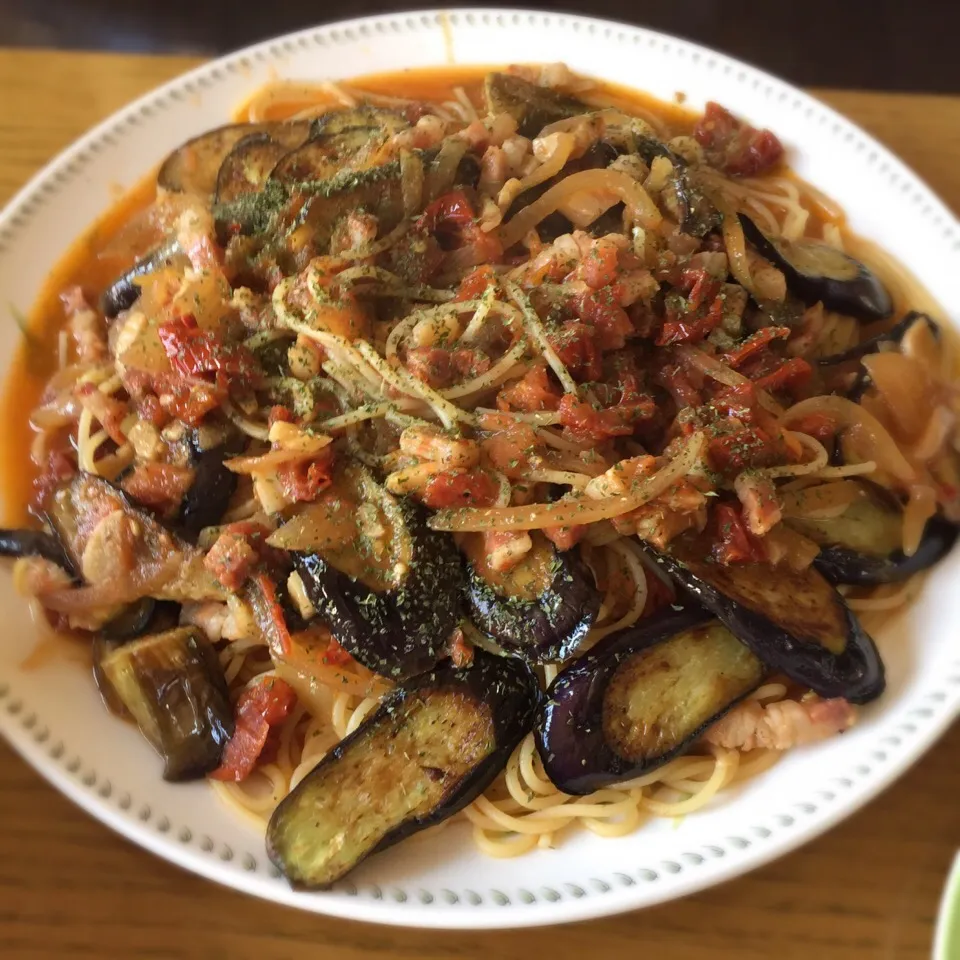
[868, 890]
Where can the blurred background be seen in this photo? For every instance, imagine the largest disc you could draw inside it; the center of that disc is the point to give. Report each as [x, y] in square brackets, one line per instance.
[904, 45]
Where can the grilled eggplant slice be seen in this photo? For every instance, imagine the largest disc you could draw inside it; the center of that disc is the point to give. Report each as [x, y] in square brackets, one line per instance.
[172, 684]
[195, 166]
[385, 122]
[863, 545]
[110, 542]
[641, 697]
[312, 209]
[247, 166]
[532, 106]
[124, 292]
[34, 543]
[539, 610]
[391, 600]
[432, 746]
[794, 621]
[213, 485]
[818, 272]
[327, 154]
[875, 344]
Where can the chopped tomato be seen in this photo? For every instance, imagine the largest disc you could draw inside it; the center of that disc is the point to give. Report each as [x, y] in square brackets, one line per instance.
[753, 345]
[576, 346]
[475, 283]
[817, 425]
[335, 655]
[565, 538]
[700, 286]
[158, 485]
[791, 375]
[739, 402]
[693, 326]
[735, 147]
[749, 447]
[195, 353]
[460, 488]
[599, 266]
[601, 310]
[451, 220]
[532, 392]
[734, 543]
[447, 215]
[279, 414]
[261, 707]
[306, 480]
[586, 423]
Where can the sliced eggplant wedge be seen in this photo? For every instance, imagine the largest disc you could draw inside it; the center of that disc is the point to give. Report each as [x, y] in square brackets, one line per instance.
[795, 622]
[388, 586]
[172, 684]
[641, 697]
[327, 154]
[385, 122]
[194, 166]
[875, 344]
[213, 485]
[247, 166]
[111, 542]
[541, 609]
[818, 272]
[532, 106]
[312, 209]
[432, 746]
[34, 543]
[124, 292]
[863, 545]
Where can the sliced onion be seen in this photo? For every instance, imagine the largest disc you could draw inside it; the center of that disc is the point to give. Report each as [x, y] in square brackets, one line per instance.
[640, 207]
[847, 415]
[572, 511]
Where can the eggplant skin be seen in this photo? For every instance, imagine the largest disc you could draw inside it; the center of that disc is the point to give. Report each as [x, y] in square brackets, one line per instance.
[862, 545]
[213, 485]
[432, 746]
[172, 684]
[588, 733]
[124, 292]
[397, 633]
[794, 622]
[840, 565]
[34, 543]
[862, 295]
[548, 629]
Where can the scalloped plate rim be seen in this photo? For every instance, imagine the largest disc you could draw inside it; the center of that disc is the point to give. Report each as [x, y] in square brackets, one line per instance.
[484, 914]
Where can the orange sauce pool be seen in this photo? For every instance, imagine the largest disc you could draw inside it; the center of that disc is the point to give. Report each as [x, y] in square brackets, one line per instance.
[93, 264]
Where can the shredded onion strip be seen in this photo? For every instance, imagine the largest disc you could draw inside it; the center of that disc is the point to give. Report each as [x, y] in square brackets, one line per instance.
[640, 208]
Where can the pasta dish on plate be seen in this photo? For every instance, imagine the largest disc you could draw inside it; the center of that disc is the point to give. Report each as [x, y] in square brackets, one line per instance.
[504, 446]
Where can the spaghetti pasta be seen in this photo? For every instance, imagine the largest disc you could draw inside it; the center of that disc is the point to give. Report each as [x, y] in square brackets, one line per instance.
[535, 385]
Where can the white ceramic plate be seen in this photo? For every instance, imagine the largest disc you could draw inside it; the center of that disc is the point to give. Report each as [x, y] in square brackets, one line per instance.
[55, 719]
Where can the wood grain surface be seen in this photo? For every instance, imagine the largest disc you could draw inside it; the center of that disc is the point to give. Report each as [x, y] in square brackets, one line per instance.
[70, 888]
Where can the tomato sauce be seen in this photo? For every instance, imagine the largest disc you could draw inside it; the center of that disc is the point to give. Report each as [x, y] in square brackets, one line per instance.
[96, 258]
